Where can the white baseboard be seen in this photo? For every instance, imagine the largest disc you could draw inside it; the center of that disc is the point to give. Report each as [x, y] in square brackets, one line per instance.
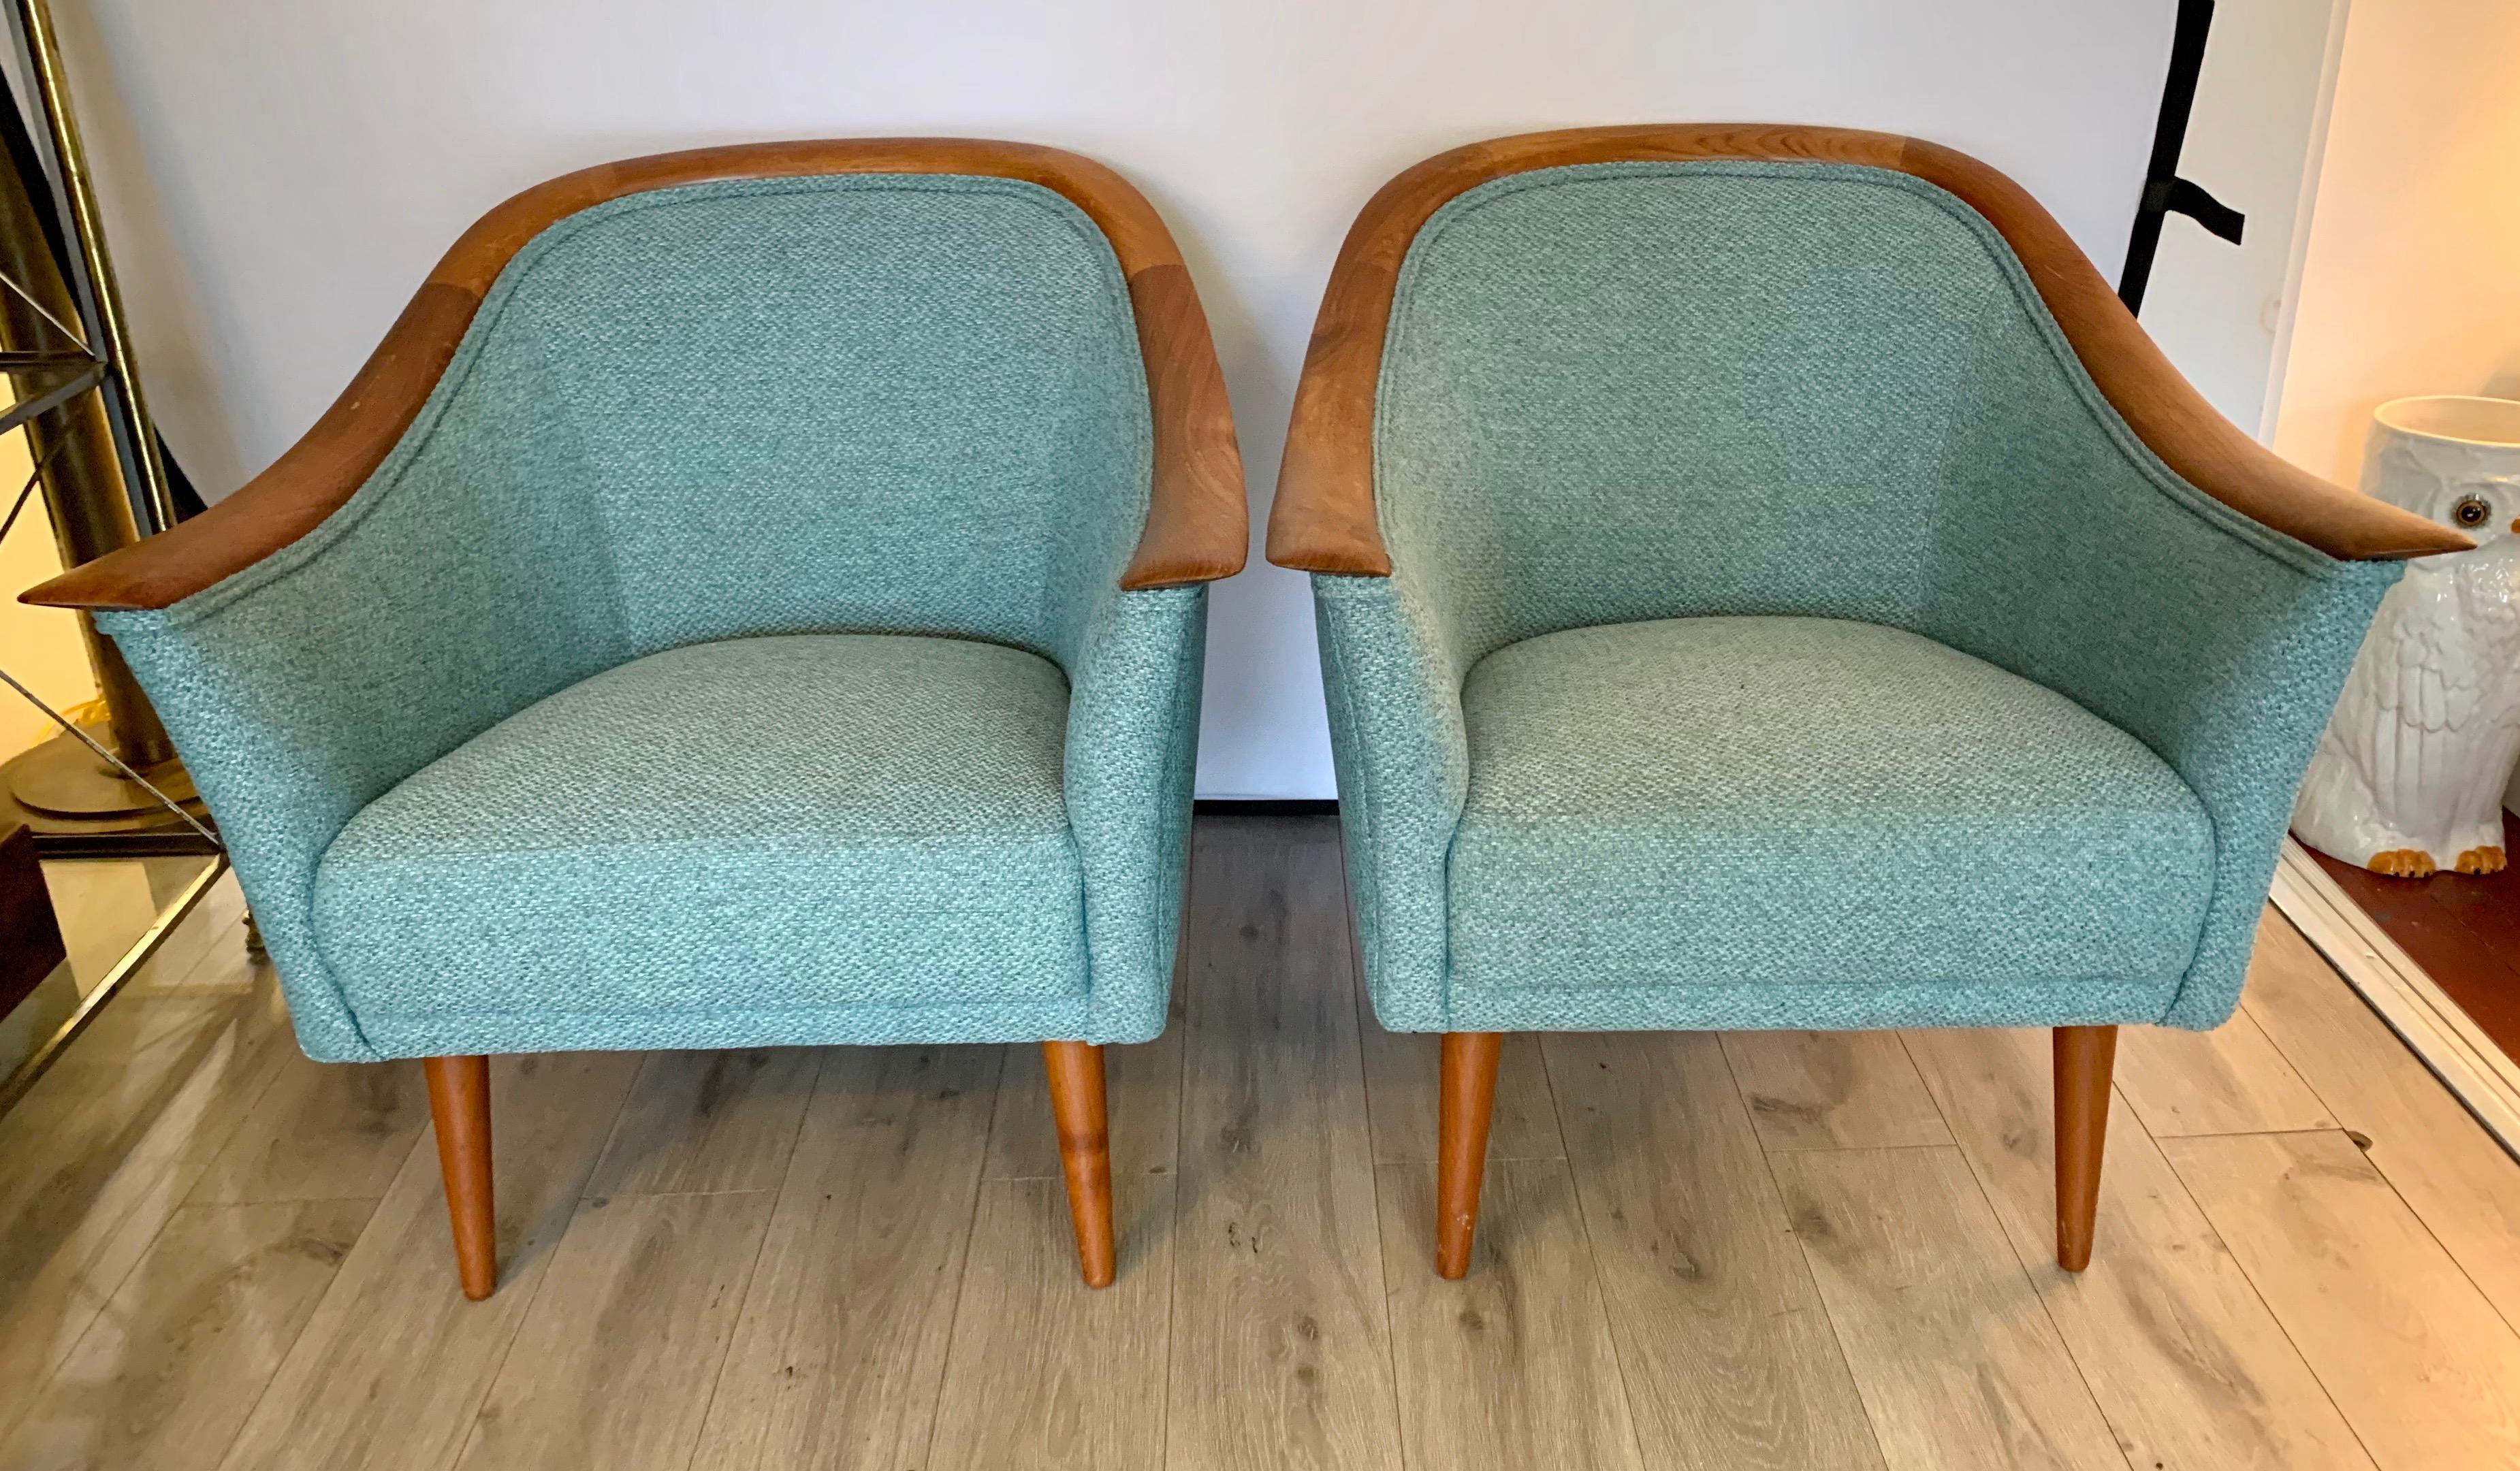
[2459, 1053]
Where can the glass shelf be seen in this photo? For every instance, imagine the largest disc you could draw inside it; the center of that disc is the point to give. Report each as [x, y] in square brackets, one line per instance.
[117, 916]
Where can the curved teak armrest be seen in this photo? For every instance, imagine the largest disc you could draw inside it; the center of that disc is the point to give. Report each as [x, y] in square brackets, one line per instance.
[1199, 527]
[1323, 517]
[1196, 529]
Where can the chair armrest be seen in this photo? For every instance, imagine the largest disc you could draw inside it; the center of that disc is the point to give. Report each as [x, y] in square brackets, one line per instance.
[2216, 641]
[2163, 409]
[1392, 679]
[309, 683]
[1323, 519]
[1131, 745]
[1198, 526]
[314, 478]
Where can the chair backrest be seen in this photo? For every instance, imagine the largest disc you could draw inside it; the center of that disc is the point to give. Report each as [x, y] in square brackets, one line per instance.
[903, 402]
[1650, 389]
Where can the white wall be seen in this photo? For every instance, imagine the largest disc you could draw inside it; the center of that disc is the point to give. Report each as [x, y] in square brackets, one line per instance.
[2410, 275]
[280, 173]
[2412, 280]
[2216, 308]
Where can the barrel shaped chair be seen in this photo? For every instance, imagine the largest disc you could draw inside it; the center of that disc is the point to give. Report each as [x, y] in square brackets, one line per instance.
[752, 596]
[1764, 579]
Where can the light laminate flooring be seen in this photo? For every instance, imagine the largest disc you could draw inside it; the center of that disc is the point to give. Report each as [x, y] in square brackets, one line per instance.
[1749, 1250]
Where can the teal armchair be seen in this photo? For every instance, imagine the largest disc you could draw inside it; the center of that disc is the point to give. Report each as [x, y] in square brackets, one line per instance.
[1764, 579]
[752, 596]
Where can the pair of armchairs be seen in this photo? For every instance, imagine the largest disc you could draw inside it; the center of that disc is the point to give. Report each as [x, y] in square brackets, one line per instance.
[756, 597]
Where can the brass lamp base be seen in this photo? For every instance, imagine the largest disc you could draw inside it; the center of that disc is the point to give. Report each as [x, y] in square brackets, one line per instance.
[79, 806]
[65, 778]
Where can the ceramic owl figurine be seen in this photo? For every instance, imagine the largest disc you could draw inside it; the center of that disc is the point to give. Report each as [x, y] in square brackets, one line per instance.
[2408, 777]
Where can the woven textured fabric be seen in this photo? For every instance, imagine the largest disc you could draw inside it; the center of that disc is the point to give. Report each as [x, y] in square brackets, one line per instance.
[1403, 763]
[1624, 392]
[904, 404]
[1132, 759]
[1758, 805]
[868, 402]
[800, 826]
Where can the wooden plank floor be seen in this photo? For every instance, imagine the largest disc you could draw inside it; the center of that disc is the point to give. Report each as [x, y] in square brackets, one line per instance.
[1769, 1251]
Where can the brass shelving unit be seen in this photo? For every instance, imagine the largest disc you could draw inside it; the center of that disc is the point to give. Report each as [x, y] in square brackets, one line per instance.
[113, 790]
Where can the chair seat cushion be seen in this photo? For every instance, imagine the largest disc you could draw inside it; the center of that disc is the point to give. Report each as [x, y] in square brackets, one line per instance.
[724, 843]
[1746, 805]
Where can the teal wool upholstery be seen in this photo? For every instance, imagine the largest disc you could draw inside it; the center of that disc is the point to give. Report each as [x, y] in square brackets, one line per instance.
[856, 824]
[1784, 631]
[1751, 819]
[730, 652]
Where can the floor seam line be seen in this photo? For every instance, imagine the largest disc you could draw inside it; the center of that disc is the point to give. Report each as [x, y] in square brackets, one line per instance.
[753, 1274]
[963, 1265]
[2258, 1293]
[1592, 1254]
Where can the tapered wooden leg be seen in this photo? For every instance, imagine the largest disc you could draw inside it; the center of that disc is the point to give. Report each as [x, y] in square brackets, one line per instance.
[2085, 1056]
[1084, 1152]
[1462, 1154]
[459, 1104]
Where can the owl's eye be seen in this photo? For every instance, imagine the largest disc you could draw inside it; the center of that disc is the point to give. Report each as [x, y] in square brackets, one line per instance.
[2471, 510]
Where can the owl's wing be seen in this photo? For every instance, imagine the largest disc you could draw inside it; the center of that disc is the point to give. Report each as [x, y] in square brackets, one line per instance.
[2423, 688]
